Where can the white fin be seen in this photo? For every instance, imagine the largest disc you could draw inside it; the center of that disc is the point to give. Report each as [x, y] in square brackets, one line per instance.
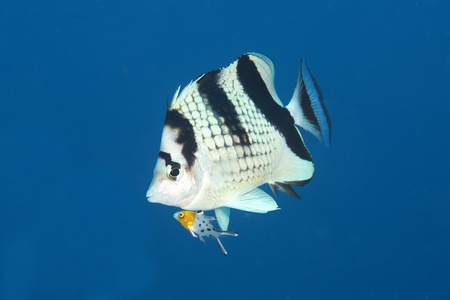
[307, 106]
[193, 233]
[255, 200]
[175, 96]
[187, 90]
[223, 217]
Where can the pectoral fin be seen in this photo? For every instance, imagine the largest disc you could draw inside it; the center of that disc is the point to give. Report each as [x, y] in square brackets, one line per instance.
[255, 200]
[223, 217]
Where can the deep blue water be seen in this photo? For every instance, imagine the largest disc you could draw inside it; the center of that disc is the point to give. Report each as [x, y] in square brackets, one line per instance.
[83, 89]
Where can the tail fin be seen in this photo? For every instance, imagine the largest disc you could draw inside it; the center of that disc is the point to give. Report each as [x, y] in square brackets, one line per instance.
[307, 106]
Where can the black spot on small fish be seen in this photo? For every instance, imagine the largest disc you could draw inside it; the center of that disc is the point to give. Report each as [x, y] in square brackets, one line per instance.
[203, 230]
[209, 229]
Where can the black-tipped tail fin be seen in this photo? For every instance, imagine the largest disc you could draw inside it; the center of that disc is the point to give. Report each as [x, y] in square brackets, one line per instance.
[308, 108]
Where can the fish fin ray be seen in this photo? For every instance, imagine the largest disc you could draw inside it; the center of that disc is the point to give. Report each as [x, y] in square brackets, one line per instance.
[181, 94]
[222, 248]
[174, 98]
[273, 187]
[286, 188]
[308, 108]
[201, 239]
[227, 232]
[193, 233]
[298, 183]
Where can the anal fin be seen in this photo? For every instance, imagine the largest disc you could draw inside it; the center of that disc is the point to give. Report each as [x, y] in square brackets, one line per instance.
[222, 248]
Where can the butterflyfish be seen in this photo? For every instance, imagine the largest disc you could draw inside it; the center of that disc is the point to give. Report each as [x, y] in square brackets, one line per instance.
[227, 133]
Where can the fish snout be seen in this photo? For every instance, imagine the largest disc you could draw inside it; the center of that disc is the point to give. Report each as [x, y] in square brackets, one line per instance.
[150, 195]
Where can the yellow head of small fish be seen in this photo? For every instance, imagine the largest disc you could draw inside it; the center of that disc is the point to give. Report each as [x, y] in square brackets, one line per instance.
[186, 218]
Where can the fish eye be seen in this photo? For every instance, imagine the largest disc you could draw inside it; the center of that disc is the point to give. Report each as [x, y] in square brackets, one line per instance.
[173, 172]
[181, 214]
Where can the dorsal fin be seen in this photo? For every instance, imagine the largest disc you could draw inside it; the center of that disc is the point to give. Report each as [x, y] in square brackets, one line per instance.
[267, 71]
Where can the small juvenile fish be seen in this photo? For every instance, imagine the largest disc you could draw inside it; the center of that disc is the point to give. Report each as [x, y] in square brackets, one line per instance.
[227, 132]
[198, 224]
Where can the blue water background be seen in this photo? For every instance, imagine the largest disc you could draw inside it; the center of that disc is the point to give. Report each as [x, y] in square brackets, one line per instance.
[83, 89]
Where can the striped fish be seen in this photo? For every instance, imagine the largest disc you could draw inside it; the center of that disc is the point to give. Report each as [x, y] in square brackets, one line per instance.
[227, 132]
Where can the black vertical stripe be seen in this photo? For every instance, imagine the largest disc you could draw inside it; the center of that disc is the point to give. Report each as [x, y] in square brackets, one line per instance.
[277, 115]
[186, 137]
[221, 105]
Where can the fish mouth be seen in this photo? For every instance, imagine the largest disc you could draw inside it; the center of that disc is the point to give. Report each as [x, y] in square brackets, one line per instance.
[149, 196]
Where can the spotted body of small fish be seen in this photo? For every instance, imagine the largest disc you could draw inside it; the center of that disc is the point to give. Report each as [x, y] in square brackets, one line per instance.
[227, 132]
[199, 224]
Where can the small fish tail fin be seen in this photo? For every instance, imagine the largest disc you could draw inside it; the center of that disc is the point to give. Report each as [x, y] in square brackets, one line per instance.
[227, 232]
[308, 108]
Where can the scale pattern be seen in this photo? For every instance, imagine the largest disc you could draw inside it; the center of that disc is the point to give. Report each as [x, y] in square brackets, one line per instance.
[239, 163]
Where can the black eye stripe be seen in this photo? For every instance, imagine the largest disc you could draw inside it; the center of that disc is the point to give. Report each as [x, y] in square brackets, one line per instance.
[168, 159]
[186, 136]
